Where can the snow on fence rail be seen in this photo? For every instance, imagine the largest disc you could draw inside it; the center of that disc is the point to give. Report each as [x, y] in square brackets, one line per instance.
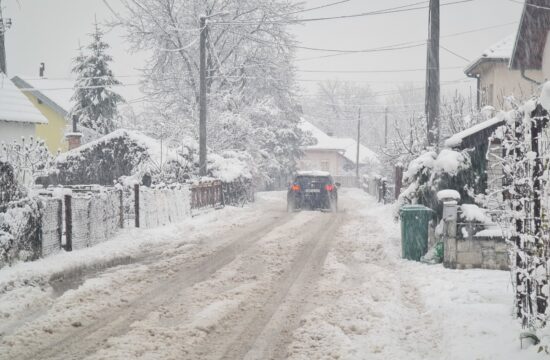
[77, 217]
[158, 207]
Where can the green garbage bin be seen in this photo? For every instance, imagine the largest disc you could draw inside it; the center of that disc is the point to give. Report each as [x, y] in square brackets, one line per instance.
[414, 230]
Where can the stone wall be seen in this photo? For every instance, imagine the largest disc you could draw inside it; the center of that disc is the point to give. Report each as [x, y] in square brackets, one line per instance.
[471, 252]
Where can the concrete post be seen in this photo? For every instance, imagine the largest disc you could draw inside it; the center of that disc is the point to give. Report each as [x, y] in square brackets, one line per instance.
[450, 218]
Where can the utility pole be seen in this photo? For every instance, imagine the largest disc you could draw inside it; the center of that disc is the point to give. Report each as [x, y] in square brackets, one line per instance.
[386, 126]
[432, 76]
[358, 146]
[202, 100]
[5, 24]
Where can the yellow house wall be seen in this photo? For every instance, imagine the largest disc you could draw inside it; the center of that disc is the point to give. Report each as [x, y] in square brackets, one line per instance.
[52, 133]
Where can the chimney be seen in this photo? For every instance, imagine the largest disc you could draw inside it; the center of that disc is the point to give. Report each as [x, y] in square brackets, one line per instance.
[42, 69]
[74, 138]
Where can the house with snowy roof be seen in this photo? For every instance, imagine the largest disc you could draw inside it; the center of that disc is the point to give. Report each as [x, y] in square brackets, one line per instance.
[495, 80]
[335, 155]
[52, 98]
[18, 117]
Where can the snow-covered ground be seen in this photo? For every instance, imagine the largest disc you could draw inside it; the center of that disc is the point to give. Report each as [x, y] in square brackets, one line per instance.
[257, 283]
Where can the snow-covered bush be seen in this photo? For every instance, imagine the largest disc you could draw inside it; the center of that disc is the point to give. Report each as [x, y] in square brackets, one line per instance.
[431, 172]
[10, 189]
[29, 159]
[20, 231]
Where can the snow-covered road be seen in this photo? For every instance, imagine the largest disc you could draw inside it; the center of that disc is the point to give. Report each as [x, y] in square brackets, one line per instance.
[256, 283]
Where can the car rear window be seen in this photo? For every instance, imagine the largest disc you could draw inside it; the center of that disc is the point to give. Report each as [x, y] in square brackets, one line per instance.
[312, 182]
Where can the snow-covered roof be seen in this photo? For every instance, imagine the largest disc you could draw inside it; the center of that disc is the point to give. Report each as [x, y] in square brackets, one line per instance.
[347, 147]
[15, 106]
[456, 139]
[57, 93]
[502, 50]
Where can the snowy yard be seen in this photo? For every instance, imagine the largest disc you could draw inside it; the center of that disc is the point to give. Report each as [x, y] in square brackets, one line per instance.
[257, 283]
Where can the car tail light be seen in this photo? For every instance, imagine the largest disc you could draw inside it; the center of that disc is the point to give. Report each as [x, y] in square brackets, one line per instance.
[295, 187]
[329, 187]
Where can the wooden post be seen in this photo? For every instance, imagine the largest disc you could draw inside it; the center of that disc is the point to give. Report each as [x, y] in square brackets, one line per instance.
[68, 223]
[121, 209]
[136, 204]
[202, 96]
[432, 76]
[358, 158]
[398, 180]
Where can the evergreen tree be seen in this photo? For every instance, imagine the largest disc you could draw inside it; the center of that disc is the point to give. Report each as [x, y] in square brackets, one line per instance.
[95, 102]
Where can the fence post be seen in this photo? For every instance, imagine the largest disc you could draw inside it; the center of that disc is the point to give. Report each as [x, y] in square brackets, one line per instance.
[398, 180]
[59, 223]
[121, 209]
[68, 223]
[136, 204]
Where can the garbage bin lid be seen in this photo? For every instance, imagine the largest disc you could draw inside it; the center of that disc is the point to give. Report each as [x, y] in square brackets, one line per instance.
[415, 208]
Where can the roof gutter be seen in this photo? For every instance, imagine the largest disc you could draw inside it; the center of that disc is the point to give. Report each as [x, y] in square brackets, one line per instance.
[522, 70]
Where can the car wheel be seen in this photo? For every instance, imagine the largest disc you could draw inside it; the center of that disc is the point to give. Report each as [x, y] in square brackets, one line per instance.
[334, 206]
[290, 206]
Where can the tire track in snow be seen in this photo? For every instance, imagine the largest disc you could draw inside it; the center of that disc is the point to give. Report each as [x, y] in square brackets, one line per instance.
[266, 333]
[87, 340]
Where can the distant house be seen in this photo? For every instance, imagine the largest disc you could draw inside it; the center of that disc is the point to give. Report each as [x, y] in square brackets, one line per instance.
[18, 117]
[335, 155]
[495, 80]
[531, 52]
[52, 99]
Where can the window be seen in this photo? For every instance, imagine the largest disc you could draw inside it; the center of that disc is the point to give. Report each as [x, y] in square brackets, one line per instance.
[325, 165]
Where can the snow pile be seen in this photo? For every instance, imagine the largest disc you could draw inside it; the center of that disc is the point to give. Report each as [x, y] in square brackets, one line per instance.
[471, 212]
[448, 194]
[420, 165]
[450, 162]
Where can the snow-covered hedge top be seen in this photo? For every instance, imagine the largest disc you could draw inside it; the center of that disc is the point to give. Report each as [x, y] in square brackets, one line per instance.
[154, 149]
[471, 212]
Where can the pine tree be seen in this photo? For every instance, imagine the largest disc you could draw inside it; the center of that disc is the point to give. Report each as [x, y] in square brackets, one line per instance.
[95, 103]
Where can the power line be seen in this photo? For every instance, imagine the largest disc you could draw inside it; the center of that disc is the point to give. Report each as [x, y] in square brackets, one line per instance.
[454, 53]
[378, 49]
[532, 5]
[373, 71]
[397, 9]
[418, 41]
[316, 8]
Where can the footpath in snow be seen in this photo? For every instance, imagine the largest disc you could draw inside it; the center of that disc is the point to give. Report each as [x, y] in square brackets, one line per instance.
[257, 283]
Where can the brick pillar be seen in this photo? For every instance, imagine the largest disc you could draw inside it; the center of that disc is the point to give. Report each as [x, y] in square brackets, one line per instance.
[74, 140]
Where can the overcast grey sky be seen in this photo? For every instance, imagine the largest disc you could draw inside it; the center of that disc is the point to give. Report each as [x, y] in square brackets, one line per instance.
[49, 31]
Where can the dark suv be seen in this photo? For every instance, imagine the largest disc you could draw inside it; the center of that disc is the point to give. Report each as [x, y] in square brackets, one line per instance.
[313, 190]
